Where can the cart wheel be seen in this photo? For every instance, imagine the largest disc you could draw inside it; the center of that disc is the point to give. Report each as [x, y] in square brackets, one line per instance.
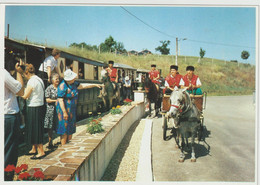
[165, 127]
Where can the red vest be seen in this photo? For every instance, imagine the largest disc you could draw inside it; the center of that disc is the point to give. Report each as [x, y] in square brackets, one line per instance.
[173, 81]
[154, 74]
[112, 74]
[188, 81]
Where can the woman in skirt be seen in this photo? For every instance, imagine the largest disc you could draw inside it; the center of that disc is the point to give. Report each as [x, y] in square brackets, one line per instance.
[51, 118]
[34, 95]
[67, 104]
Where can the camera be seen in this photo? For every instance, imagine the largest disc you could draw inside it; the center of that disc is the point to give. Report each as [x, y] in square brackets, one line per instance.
[22, 66]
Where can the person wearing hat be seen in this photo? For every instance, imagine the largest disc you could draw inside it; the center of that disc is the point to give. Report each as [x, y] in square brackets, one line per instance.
[49, 66]
[154, 74]
[173, 80]
[112, 72]
[66, 106]
[127, 85]
[192, 81]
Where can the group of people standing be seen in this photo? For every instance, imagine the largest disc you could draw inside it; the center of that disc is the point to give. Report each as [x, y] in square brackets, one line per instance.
[174, 80]
[60, 97]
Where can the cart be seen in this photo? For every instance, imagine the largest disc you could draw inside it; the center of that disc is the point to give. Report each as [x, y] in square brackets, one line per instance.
[200, 103]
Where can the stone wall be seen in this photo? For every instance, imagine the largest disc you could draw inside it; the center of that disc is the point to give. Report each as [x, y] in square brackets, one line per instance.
[86, 156]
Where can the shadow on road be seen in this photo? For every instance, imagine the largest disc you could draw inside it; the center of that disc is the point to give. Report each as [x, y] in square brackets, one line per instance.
[202, 148]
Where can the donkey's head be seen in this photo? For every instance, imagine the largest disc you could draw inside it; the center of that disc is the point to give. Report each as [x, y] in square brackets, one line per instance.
[177, 100]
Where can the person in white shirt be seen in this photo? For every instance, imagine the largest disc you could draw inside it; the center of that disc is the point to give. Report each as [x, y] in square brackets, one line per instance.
[13, 87]
[49, 65]
[127, 85]
[34, 95]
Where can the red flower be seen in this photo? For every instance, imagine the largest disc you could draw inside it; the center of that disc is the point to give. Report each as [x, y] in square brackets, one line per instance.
[24, 176]
[38, 174]
[24, 166]
[36, 169]
[9, 168]
[128, 100]
[18, 169]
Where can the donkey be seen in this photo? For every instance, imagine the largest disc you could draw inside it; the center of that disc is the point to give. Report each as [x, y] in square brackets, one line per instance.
[187, 120]
[153, 95]
[109, 95]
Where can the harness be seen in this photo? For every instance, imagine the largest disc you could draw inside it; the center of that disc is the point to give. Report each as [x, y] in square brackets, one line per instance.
[180, 108]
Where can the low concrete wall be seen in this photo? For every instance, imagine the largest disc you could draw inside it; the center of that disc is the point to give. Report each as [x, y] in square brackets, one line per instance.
[87, 156]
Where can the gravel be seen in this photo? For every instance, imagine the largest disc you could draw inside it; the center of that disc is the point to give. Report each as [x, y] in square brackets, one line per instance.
[124, 163]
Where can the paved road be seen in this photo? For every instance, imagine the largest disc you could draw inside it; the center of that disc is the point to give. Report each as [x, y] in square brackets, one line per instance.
[228, 155]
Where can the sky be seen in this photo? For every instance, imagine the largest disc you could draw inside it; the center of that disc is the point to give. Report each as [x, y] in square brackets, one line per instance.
[223, 32]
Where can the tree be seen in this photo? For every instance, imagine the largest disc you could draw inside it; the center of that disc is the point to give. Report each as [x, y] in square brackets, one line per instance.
[108, 45]
[163, 48]
[245, 55]
[84, 45]
[202, 53]
[119, 46]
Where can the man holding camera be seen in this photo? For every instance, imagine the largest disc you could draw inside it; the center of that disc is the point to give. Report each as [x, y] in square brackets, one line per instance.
[13, 88]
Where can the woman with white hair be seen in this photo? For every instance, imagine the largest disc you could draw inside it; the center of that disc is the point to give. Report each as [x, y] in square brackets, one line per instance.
[51, 117]
[67, 104]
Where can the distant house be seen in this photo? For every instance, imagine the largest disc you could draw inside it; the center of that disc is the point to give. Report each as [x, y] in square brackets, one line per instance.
[132, 52]
[144, 52]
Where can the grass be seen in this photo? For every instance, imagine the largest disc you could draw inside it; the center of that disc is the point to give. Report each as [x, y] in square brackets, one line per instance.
[218, 77]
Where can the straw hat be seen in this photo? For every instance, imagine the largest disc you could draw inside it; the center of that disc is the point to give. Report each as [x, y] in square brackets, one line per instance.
[69, 75]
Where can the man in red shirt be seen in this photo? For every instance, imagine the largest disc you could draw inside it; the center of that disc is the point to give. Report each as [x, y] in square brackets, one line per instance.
[192, 81]
[154, 74]
[173, 80]
[112, 72]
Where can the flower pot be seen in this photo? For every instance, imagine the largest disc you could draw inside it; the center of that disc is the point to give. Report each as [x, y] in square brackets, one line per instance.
[139, 88]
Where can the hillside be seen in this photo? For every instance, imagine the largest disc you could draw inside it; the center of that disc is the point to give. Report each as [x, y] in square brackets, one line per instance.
[217, 76]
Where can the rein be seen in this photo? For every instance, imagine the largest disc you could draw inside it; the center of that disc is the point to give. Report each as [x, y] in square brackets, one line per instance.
[187, 107]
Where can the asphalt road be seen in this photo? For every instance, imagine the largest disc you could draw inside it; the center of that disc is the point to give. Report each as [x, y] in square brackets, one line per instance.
[228, 155]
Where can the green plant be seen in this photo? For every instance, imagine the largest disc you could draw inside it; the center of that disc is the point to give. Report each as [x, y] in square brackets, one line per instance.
[95, 126]
[115, 110]
[127, 102]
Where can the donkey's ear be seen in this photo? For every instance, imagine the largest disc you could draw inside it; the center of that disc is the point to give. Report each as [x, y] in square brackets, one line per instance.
[184, 89]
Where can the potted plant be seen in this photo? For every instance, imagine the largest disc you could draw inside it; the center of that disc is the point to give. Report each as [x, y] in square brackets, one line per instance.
[140, 87]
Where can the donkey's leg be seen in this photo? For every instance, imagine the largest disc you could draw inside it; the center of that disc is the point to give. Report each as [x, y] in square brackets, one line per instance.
[182, 155]
[193, 157]
[150, 107]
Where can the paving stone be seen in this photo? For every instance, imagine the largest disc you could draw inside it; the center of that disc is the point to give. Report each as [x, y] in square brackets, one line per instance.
[54, 171]
[63, 178]
[72, 160]
[47, 162]
[66, 154]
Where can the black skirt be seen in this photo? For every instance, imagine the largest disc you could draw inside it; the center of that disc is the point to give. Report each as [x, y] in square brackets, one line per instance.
[34, 125]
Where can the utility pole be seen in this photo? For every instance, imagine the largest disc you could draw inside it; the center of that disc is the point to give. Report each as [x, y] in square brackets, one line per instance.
[8, 27]
[176, 56]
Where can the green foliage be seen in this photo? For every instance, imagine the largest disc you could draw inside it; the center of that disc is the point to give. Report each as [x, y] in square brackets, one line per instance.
[115, 110]
[245, 55]
[83, 45]
[94, 125]
[163, 48]
[119, 46]
[202, 53]
[108, 45]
